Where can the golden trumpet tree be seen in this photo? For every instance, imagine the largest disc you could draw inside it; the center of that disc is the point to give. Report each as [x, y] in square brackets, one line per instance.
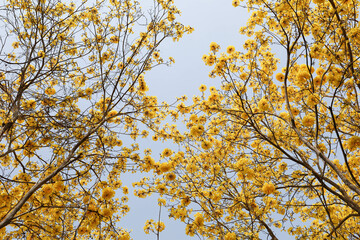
[73, 89]
[276, 149]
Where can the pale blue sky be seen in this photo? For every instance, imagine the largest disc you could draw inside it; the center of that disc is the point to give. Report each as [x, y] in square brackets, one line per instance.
[213, 21]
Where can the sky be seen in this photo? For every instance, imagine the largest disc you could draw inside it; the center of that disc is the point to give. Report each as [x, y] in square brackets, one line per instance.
[213, 21]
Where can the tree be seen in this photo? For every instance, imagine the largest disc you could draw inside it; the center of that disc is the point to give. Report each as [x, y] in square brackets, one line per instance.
[279, 142]
[72, 88]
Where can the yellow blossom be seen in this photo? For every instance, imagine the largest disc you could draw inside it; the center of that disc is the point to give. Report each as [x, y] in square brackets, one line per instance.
[230, 236]
[263, 105]
[268, 188]
[202, 88]
[230, 49]
[280, 77]
[106, 212]
[108, 193]
[214, 46]
[353, 143]
[50, 91]
[308, 120]
[165, 167]
[236, 3]
[199, 219]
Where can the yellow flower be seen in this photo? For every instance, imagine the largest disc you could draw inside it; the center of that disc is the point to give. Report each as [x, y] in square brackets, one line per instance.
[15, 45]
[149, 160]
[41, 54]
[320, 71]
[230, 236]
[303, 75]
[240, 163]
[106, 212]
[102, 184]
[214, 46]
[353, 143]
[170, 176]
[118, 142]
[30, 104]
[88, 91]
[108, 193]
[230, 49]
[86, 199]
[190, 230]
[161, 202]
[161, 188]
[114, 39]
[82, 230]
[120, 65]
[59, 186]
[197, 130]
[50, 91]
[47, 189]
[308, 120]
[165, 167]
[156, 55]
[125, 190]
[210, 60]
[167, 152]
[295, 111]
[148, 226]
[112, 113]
[202, 88]
[160, 226]
[263, 105]
[204, 57]
[143, 86]
[191, 168]
[199, 219]
[236, 3]
[206, 145]
[280, 77]
[268, 188]
[312, 100]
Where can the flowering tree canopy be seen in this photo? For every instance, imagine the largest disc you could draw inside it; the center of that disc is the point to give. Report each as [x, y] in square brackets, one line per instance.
[274, 150]
[72, 85]
[278, 144]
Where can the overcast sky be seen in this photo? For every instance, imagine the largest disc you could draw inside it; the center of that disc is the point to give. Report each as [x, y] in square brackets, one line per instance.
[213, 21]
